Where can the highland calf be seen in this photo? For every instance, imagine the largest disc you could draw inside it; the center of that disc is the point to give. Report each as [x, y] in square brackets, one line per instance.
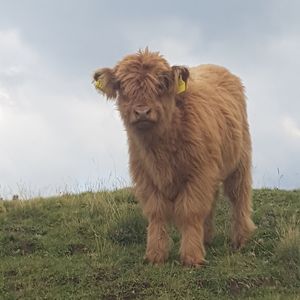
[187, 133]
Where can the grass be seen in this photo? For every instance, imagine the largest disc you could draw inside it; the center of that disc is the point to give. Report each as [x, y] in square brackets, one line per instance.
[91, 246]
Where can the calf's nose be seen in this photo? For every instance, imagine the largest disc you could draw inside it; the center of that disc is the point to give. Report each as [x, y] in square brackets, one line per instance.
[142, 112]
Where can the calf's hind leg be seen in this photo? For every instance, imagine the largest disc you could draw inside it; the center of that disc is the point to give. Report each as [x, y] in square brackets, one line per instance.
[238, 188]
[209, 226]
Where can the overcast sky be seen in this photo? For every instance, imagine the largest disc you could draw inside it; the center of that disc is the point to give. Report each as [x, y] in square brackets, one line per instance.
[58, 134]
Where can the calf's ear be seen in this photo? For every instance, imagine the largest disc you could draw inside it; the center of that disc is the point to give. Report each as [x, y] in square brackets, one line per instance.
[106, 82]
[181, 75]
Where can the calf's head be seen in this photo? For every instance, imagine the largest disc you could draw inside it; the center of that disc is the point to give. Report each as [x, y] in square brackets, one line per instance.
[145, 87]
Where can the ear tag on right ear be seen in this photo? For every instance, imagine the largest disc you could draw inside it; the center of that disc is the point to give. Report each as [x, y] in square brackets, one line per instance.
[99, 85]
[181, 85]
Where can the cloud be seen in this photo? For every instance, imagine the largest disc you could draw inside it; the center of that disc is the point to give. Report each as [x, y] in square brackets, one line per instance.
[16, 57]
[55, 133]
[291, 128]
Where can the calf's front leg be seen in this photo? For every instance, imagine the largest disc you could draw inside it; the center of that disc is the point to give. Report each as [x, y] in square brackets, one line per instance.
[192, 208]
[156, 209]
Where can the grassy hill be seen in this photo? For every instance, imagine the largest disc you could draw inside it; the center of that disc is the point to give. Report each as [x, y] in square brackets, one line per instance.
[91, 246]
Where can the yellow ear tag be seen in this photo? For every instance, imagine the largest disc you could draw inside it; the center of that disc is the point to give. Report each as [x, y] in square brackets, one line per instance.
[99, 85]
[181, 85]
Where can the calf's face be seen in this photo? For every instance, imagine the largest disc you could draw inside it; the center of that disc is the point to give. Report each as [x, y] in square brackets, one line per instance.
[145, 87]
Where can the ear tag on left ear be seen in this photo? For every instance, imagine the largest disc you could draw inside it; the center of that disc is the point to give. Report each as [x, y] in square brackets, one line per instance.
[99, 85]
[181, 85]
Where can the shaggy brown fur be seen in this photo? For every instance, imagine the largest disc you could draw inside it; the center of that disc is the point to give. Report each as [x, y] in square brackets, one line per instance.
[181, 147]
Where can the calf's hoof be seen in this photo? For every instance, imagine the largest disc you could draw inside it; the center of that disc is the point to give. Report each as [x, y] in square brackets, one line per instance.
[155, 258]
[193, 262]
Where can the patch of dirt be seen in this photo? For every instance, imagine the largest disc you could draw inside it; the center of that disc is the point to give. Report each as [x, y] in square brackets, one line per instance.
[235, 286]
[76, 249]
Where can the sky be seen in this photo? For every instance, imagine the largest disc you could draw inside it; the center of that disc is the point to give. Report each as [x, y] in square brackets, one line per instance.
[57, 134]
